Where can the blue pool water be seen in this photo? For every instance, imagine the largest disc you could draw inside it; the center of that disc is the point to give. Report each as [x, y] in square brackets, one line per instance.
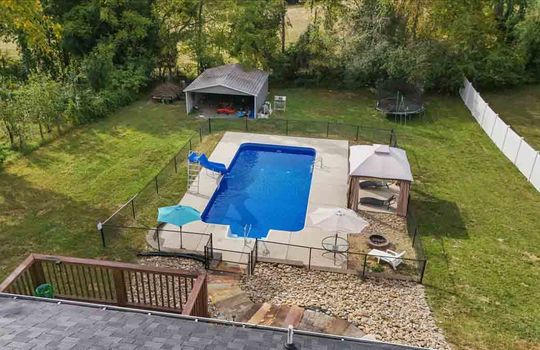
[266, 187]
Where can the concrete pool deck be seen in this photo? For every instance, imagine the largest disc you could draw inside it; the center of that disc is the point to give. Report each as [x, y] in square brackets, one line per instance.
[328, 189]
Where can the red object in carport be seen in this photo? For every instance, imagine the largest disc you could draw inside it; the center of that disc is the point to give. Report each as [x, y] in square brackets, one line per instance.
[226, 110]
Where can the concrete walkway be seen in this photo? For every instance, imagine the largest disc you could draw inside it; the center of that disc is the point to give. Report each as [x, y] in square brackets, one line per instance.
[328, 189]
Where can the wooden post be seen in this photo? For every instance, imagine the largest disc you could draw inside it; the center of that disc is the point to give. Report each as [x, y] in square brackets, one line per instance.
[37, 274]
[119, 287]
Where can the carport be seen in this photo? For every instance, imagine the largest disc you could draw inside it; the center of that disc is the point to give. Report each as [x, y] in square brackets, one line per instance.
[229, 84]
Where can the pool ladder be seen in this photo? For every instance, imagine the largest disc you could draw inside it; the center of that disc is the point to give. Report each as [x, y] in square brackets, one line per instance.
[193, 171]
[247, 230]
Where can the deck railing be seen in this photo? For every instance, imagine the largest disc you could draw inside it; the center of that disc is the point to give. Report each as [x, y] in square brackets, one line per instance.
[114, 283]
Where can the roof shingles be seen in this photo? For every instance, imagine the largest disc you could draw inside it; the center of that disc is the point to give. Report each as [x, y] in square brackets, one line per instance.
[232, 76]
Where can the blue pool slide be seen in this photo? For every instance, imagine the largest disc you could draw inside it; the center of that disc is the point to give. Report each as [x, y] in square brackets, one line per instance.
[205, 163]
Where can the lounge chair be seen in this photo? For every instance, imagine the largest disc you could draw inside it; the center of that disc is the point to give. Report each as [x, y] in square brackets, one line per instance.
[373, 184]
[389, 256]
[378, 202]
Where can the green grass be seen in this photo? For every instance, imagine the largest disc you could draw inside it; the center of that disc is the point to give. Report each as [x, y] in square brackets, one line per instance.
[52, 198]
[298, 17]
[9, 49]
[477, 213]
[520, 108]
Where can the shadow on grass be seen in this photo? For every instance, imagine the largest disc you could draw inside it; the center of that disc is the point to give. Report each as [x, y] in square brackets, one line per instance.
[38, 220]
[437, 217]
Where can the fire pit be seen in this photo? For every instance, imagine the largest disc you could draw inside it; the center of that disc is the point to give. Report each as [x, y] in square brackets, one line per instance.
[378, 241]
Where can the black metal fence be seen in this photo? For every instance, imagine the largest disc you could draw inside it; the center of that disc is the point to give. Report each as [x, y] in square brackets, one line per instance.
[307, 128]
[169, 185]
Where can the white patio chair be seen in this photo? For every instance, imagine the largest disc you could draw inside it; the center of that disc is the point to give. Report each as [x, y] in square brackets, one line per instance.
[390, 256]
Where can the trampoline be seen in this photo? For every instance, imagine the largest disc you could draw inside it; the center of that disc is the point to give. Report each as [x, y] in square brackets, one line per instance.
[400, 100]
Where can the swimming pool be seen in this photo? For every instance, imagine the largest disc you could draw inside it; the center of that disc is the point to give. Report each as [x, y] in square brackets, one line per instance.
[266, 187]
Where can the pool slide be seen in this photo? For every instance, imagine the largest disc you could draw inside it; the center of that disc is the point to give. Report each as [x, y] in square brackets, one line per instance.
[205, 163]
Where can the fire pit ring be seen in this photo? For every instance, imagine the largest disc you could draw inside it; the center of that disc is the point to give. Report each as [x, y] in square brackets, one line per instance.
[378, 241]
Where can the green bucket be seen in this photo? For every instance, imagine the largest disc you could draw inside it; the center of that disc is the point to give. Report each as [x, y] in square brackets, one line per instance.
[44, 291]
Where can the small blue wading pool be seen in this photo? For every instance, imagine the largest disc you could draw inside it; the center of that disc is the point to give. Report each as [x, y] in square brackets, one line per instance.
[266, 187]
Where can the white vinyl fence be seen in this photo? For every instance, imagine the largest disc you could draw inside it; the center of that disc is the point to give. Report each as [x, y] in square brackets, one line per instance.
[513, 146]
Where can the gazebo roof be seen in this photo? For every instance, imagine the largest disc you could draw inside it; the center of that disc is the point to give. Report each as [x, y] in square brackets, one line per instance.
[379, 161]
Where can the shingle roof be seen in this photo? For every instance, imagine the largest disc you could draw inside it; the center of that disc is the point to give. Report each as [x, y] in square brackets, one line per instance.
[33, 324]
[232, 76]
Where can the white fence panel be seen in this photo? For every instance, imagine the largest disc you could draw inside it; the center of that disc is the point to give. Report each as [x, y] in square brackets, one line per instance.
[499, 132]
[511, 145]
[489, 120]
[471, 97]
[478, 107]
[535, 175]
[525, 159]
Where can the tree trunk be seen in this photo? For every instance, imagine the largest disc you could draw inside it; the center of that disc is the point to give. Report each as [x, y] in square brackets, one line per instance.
[10, 134]
[41, 131]
[283, 15]
[199, 37]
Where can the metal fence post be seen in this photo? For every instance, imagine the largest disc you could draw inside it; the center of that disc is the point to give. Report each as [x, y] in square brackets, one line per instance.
[209, 125]
[157, 238]
[157, 188]
[132, 208]
[287, 127]
[309, 261]
[246, 119]
[100, 229]
[414, 236]
[357, 132]
[200, 134]
[423, 271]
[175, 167]
[364, 267]
[327, 129]
[190, 143]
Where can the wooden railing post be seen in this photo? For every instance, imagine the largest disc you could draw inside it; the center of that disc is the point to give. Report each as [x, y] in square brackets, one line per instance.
[37, 274]
[197, 302]
[119, 287]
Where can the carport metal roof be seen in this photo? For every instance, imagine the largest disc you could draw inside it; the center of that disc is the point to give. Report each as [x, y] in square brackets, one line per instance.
[231, 76]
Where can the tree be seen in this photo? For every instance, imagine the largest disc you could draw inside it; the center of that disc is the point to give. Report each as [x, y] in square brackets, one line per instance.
[255, 39]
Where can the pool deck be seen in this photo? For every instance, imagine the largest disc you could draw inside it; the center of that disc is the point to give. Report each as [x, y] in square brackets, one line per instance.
[328, 189]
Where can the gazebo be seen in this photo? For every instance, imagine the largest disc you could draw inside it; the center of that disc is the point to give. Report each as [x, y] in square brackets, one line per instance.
[379, 162]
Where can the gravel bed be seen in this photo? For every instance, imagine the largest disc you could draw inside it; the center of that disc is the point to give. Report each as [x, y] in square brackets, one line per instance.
[393, 311]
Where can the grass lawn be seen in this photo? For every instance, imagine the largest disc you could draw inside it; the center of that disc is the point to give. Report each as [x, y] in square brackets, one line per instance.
[298, 17]
[520, 108]
[478, 215]
[51, 199]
